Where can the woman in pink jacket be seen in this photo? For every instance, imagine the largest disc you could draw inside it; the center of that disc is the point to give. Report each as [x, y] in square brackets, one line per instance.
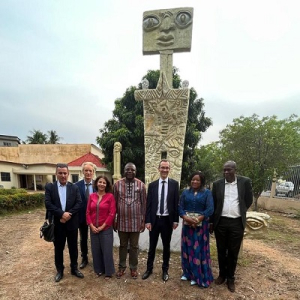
[100, 214]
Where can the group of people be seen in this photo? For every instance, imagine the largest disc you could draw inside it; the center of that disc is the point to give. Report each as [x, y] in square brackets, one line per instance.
[128, 209]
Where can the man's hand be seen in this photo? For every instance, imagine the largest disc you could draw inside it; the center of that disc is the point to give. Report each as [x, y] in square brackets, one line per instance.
[142, 228]
[175, 225]
[211, 228]
[66, 216]
[148, 226]
[115, 226]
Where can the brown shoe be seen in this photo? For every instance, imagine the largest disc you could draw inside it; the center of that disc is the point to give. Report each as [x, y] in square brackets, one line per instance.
[120, 273]
[219, 280]
[231, 286]
[134, 274]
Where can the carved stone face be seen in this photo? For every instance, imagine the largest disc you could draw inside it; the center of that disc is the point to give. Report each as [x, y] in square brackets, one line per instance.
[167, 29]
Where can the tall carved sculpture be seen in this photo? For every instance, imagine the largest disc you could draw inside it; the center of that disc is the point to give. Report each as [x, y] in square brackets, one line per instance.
[165, 109]
[117, 161]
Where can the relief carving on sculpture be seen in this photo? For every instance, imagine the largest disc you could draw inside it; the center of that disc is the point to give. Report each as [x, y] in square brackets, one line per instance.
[165, 109]
[167, 29]
[117, 161]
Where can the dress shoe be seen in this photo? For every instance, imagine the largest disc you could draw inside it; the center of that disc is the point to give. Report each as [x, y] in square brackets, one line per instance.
[219, 280]
[146, 274]
[83, 264]
[165, 276]
[77, 273]
[231, 286]
[59, 276]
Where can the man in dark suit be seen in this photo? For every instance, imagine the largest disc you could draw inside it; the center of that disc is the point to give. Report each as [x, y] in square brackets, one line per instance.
[232, 198]
[161, 216]
[62, 200]
[85, 188]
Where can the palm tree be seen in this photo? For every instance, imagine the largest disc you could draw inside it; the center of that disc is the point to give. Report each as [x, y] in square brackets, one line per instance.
[53, 137]
[37, 137]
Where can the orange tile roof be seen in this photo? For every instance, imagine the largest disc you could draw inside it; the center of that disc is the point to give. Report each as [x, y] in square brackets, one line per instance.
[87, 157]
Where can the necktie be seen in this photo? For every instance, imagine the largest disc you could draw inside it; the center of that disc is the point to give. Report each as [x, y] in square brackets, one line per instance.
[87, 191]
[162, 196]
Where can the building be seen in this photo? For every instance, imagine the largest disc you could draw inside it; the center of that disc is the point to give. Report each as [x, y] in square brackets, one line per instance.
[9, 141]
[31, 166]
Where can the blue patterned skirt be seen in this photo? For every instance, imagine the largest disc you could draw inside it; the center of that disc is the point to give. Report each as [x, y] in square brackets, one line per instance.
[195, 254]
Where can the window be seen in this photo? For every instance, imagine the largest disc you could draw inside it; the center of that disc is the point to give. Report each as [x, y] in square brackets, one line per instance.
[7, 144]
[75, 178]
[5, 176]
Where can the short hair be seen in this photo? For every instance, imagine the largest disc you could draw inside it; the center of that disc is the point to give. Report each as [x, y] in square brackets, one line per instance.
[61, 165]
[164, 160]
[88, 163]
[130, 163]
[201, 176]
[232, 163]
[108, 188]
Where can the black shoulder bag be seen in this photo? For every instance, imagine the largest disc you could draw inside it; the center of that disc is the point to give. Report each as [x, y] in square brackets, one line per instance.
[47, 229]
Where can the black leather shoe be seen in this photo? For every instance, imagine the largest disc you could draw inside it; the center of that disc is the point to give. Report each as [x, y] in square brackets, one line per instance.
[165, 276]
[146, 274]
[231, 286]
[59, 276]
[83, 264]
[219, 280]
[77, 273]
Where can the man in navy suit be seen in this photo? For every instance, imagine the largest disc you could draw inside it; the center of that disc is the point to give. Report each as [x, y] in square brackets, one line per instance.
[161, 216]
[85, 188]
[62, 200]
[232, 198]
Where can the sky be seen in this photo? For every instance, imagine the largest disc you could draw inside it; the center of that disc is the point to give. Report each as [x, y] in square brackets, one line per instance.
[63, 63]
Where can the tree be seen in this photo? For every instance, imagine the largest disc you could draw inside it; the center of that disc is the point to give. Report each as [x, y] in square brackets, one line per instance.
[127, 127]
[37, 137]
[259, 146]
[53, 137]
[208, 159]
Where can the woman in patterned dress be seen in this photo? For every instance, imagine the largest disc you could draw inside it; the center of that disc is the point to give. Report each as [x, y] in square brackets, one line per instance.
[195, 208]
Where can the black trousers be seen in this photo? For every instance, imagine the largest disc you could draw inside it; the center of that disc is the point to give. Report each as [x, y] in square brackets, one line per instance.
[61, 236]
[83, 231]
[161, 227]
[229, 236]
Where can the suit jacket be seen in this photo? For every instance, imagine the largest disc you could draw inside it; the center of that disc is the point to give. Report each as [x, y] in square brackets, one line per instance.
[172, 201]
[73, 204]
[82, 188]
[245, 196]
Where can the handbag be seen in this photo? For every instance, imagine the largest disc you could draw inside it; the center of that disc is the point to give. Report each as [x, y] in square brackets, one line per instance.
[194, 216]
[47, 230]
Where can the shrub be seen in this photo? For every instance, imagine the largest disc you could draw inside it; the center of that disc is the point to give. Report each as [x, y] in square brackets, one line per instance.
[20, 201]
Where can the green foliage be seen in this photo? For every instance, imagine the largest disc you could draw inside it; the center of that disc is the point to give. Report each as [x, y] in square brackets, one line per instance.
[38, 137]
[261, 145]
[127, 127]
[208, 160]
[12, 191]
[20, 201]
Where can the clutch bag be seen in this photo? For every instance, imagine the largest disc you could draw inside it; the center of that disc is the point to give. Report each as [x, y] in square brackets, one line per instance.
[194, 216]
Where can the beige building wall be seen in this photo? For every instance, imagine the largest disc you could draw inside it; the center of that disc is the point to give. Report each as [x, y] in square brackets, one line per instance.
[31, 166]
[32, 154]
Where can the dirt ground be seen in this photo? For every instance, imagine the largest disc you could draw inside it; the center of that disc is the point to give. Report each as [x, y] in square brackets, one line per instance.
[268, 269]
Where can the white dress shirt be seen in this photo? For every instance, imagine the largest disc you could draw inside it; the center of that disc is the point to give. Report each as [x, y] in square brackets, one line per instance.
[166, 213]
[231, 207]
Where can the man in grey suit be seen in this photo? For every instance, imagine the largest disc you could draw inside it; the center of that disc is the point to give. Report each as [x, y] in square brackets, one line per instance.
[62, 200]
[161, 216]
[232, 198]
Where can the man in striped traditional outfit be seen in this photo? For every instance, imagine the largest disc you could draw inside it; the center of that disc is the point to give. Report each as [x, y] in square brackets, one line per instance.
[130, 195]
